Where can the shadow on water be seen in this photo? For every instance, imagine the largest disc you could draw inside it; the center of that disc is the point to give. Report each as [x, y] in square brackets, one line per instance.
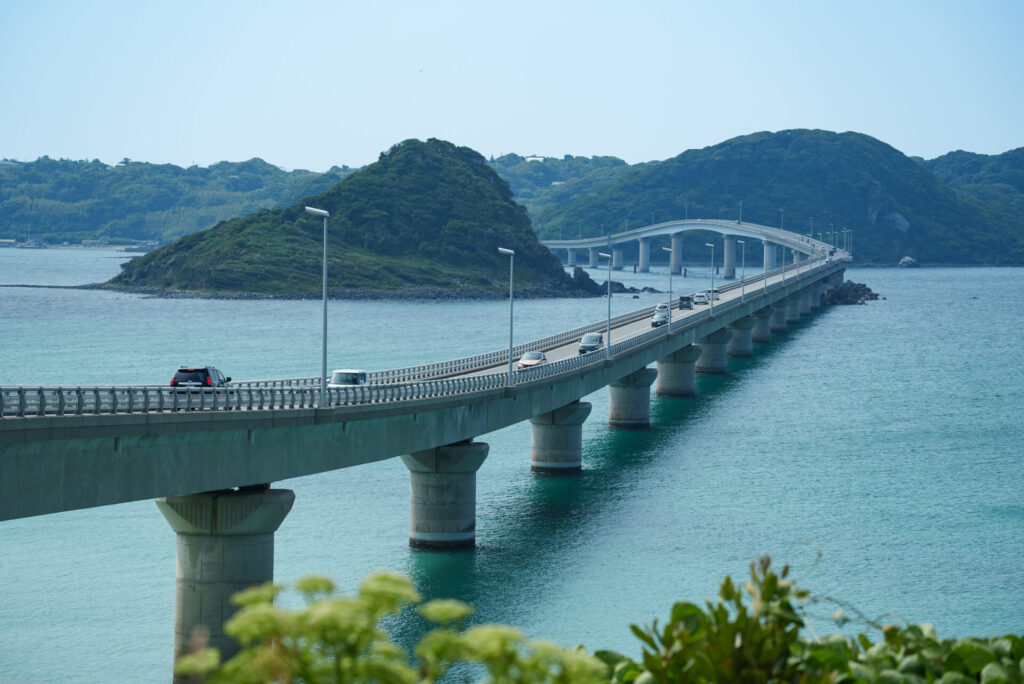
[548, 519]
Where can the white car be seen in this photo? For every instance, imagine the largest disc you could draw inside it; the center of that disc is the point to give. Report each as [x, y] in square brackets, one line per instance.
[346, 377]
[701, 298]
[716, 293]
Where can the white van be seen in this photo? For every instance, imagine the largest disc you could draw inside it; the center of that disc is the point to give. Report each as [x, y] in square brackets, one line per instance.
[346, 377]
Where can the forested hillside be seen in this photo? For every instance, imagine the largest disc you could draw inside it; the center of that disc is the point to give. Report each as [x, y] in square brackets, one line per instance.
[895, 206]
[60, 200]
[426, 217]
[998, 179]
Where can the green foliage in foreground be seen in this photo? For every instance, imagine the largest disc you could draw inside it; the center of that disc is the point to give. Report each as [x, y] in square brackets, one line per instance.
[340, 639]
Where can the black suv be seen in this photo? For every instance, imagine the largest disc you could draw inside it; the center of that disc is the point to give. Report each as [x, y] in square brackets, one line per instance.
[205, 376]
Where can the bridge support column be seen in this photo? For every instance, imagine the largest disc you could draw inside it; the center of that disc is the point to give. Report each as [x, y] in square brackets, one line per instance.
[617, 258]
[225, 544]
[629, 399]
[729, 260]
[769, 255]
[592, 253]
[645, 255]
[676, 259]
[762, 330]
[779, 317]
[713, 352]
[740, 343]
[792, 308]
[442, 501]
[816, 290]
[572, 257]
[557, 439]
[677, 373]
[805, 302]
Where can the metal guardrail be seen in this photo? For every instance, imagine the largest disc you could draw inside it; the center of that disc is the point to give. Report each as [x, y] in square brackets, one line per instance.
[387, 386]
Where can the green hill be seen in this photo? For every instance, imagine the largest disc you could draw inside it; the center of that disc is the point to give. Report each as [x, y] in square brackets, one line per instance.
[997, 179]
[895, 206]
[60, 200]
[426, 217]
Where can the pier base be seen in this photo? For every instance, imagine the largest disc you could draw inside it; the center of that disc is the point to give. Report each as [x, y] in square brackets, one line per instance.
[762, 330]
[629, 399]
[713, 355]
[557, 439]
[740, 343]
[442, 500]
[225, 545]
[677, 373]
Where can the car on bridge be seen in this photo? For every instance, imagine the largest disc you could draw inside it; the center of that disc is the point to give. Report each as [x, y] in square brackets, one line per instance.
[531, 359]
[685, 302]
[700, 298]
[591, 342]
[203, 376]
[346, 377]
[659, 319]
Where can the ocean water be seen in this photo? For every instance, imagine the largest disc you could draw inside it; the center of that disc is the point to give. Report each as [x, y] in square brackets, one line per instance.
[877, 449]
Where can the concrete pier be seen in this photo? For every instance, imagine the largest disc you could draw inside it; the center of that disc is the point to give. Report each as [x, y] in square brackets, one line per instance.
[793, 308]
[778, 323]
[644, 259]
[593, 252]
[225, 545]
[629, 399]
[769, 255]
[557, 439]
[442, 502]
[676, 258]
[617, 258]
[713, 352]
[572, 257]
[762, 330]
[816, 291]
[805, 302]
[677, 373]
[729, 258]
[740, 343]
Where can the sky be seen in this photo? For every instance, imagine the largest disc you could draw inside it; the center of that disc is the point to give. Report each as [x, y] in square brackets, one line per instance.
[315, 83]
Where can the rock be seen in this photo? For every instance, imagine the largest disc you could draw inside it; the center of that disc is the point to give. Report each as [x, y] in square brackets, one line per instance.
[849, 293]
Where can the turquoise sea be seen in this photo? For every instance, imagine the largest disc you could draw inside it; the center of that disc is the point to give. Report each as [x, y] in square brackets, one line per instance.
[888, 438]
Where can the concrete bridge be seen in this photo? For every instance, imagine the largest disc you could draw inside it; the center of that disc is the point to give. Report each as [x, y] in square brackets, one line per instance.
[208, 456]
[772, 239]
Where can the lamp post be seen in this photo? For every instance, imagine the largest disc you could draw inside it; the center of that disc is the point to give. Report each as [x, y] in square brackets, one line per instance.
[666, 249]
[608, 326]
[741, 213]
[708, 244]
[323, 345]
[511, 266]
[782, 220]
[743, 276]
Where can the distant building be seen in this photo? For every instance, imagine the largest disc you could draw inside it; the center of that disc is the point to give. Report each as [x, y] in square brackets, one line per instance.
[7, 242]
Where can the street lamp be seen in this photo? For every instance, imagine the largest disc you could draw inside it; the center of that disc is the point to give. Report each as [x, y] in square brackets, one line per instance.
[712, 276]
[666, 249]
[323, 346]
[741, 213]
[782, 220]
[511, 265]
[608, 326]
[764, 267]
[743, 277]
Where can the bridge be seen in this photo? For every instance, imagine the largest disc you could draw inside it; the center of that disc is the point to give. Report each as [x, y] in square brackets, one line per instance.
[773, 240]
[209, 456]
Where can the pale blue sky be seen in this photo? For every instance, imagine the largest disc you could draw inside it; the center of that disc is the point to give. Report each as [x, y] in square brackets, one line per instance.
[312, 83]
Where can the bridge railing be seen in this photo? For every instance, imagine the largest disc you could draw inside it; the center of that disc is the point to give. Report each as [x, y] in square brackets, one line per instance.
[16, 402]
